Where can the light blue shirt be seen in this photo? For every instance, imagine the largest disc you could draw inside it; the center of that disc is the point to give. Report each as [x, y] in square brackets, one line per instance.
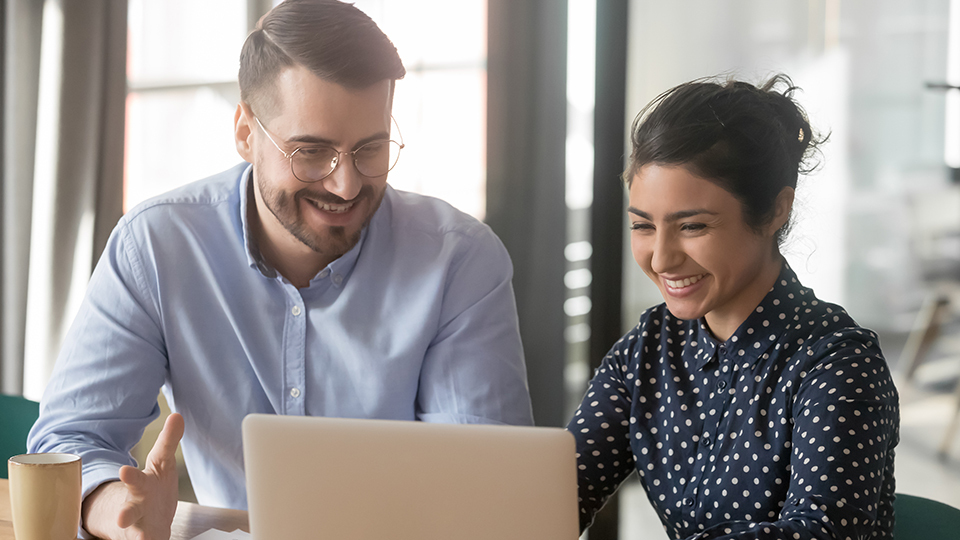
[417, 322]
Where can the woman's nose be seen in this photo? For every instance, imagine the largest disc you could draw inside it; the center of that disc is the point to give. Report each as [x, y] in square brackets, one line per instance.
[667, 255]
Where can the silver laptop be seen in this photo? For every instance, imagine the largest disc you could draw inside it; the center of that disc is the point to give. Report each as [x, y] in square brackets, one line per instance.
[344, 479]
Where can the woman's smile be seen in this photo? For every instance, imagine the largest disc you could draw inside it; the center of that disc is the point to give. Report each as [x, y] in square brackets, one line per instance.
[689, 236]
[683, 282]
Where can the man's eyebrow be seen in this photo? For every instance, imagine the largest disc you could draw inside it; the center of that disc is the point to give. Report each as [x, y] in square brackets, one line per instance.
[320, 141]
[310, 140]
[682, 214]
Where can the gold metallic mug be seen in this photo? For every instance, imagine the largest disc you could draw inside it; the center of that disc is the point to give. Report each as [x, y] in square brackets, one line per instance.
[45, 496]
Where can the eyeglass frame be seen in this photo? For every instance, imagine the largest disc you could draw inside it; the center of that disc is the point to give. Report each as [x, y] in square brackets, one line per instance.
[353, 153]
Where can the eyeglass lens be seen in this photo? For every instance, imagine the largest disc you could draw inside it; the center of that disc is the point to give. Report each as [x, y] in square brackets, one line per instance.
[377, 158]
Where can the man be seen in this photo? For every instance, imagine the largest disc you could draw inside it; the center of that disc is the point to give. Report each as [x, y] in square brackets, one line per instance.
[301, 284]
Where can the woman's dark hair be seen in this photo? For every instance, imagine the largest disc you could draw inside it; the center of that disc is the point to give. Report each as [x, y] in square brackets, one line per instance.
[751, 141]
[334, 40]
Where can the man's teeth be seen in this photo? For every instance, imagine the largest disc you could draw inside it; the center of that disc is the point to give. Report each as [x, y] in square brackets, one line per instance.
[333, 208]
[684, 282]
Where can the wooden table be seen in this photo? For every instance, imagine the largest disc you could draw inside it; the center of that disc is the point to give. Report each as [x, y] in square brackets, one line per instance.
[191, 519]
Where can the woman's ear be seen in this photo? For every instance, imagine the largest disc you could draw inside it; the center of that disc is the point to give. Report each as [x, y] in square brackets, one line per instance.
[781, 208]
[243, 131]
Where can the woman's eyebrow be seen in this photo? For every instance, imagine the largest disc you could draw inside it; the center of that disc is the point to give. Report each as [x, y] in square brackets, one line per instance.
[682, 214]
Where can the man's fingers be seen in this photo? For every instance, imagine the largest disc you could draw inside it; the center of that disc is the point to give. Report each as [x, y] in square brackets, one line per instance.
[134, 478]
[151, 499]
[166, 445]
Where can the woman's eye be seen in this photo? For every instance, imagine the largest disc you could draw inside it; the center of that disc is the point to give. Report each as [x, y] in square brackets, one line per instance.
[641, 227]
[693, 227]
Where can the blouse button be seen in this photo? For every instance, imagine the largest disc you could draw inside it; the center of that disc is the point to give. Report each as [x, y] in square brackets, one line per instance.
[723, 350]
[722, 384]
[688, 501]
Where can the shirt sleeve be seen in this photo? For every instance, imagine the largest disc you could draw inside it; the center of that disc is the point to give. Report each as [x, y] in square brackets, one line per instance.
[474, 371]
[845, 416]
[104, 387]
[601, 428]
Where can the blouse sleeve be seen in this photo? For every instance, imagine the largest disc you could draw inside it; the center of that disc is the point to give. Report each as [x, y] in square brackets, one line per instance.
[601, 428]
[844, 417]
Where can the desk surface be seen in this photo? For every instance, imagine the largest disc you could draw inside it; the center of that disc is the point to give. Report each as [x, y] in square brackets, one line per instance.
[191, 519]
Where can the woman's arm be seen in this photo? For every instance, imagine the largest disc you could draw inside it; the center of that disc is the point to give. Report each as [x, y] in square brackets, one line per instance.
[601, 428]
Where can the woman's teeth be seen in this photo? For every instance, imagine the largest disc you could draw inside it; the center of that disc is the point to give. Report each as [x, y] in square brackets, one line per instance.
[684, 282]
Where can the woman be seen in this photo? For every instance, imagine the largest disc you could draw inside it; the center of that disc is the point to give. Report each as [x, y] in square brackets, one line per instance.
[748, 407]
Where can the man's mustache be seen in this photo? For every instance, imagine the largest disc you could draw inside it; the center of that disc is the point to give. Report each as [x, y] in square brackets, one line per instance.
[330, 198]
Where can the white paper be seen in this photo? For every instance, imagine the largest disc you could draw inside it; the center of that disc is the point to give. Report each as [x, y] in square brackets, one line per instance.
[214, 534]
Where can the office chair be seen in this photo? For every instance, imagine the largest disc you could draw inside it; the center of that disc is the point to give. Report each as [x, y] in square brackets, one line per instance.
[17, 416]
[918, 518]
[935, 233]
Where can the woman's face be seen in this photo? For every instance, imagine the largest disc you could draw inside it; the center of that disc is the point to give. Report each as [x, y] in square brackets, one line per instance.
[689, 236]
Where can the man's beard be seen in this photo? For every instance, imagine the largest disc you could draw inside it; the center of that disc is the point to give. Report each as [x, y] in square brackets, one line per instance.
[331, 240]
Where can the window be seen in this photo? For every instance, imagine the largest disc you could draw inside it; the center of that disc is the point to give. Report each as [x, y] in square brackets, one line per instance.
[182, 75]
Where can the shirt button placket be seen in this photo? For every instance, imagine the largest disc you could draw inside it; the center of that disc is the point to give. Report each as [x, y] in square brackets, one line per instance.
[294, 369]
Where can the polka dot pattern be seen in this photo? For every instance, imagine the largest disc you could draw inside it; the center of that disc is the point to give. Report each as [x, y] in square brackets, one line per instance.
[786, 430]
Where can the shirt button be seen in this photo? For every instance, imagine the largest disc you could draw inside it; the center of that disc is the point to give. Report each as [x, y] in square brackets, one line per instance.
[324, 273]
[337, 279]
[294, 392]
[295, 310]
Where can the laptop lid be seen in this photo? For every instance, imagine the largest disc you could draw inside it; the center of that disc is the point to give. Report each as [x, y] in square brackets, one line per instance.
[349, 479]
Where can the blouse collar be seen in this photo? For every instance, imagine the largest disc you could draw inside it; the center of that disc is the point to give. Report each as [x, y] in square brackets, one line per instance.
[760, 334]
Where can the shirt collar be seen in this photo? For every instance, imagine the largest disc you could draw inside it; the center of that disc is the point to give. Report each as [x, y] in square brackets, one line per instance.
[249, 243]
[762, 330]
[337, 271]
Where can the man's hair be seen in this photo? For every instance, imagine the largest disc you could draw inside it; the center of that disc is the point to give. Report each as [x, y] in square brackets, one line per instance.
[335, 41]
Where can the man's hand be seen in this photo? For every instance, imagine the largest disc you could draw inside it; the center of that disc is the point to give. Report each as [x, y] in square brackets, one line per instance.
[142, 504]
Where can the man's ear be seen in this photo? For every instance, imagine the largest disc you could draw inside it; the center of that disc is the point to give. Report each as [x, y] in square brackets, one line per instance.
[243, 131]
[781, 208]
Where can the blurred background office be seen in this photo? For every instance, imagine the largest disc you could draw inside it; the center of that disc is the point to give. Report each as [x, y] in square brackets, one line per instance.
[517, 112]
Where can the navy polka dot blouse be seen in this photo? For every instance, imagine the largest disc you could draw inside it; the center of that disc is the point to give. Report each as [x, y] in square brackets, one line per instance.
[787, 430]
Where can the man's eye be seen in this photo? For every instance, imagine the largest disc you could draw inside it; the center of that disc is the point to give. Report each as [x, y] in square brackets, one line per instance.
[316, 152]
[641, 226]
[372, 149]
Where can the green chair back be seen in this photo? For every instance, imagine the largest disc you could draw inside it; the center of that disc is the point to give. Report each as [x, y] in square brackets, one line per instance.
[918, 518]
[17, 416]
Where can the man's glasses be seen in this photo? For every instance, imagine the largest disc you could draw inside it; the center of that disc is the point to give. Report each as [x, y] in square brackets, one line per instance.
[314, 163]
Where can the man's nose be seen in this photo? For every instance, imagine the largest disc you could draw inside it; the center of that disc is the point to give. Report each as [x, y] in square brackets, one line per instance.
[345, 181]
